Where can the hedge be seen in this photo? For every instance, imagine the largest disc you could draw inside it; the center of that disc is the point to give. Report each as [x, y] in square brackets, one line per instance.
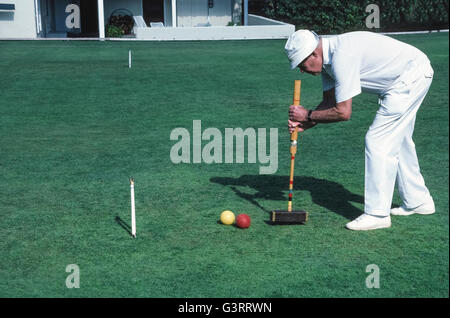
[337, 16]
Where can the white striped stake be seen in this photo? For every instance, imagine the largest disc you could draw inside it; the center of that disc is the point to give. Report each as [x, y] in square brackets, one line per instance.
[129, 58]
[133, 212]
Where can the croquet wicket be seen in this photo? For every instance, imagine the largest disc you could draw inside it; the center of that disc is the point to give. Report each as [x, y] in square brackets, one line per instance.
[129, 58]
[133, 212]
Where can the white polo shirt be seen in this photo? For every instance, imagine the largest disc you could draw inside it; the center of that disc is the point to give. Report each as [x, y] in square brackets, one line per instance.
[368, 62]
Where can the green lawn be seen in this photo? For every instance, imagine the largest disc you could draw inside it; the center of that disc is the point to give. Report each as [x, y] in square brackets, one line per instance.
[76, 123]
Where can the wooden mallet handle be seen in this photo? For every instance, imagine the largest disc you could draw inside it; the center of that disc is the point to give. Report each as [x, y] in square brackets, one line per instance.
[293, 149]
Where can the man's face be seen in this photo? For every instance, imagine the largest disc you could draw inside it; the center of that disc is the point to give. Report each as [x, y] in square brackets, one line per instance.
[312, 64]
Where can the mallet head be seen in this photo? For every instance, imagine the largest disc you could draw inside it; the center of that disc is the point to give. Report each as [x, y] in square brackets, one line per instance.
[288, 217]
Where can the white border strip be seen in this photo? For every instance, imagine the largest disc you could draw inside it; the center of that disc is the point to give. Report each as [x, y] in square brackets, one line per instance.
[399, 33]
[134, 39]
[417, 32]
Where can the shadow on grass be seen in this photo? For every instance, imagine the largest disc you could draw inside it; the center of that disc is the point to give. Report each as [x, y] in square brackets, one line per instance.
[124, 225]
[328, 194]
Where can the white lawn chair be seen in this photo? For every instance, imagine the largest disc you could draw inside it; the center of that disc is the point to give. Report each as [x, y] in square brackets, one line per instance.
[139, 21]
[156, 24]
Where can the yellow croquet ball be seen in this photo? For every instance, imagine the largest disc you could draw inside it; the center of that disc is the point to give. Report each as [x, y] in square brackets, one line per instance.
[227, 217]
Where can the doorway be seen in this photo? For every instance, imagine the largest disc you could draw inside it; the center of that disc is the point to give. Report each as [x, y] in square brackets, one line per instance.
[88, 19]
[53, 16]
[153, 11]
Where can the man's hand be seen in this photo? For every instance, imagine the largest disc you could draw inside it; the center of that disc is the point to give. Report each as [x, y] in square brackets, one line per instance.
[298, 113]
[298, 117]
[301, 126]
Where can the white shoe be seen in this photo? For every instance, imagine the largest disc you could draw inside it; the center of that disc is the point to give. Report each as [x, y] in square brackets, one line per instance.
[369, 222]
[426, 208]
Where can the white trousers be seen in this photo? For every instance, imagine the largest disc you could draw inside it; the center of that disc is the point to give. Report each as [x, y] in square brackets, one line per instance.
[390, 153]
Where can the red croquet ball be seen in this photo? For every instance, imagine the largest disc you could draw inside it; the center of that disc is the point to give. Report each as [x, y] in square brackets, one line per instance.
[243, 221]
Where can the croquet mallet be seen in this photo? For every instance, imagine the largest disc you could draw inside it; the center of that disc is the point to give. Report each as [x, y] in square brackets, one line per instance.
[288, 216]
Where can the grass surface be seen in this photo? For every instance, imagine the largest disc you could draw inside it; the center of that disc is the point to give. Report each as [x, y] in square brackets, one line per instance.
[76, 123]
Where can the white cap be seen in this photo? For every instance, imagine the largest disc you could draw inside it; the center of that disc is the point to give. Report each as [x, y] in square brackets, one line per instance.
[300, 45]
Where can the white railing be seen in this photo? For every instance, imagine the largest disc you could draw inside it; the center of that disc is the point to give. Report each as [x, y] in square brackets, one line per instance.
[257, 28]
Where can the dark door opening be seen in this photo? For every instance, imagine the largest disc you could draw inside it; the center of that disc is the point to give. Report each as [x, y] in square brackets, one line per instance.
[53, 17]
[153, 11]
[88, 20]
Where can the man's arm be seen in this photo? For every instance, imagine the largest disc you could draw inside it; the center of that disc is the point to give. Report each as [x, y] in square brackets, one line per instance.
[328, 111]
[339, 112]
[328, 100]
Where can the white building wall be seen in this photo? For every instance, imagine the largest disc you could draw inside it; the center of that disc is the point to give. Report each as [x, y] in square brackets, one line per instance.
[168, 13]
[236, 11]
[192, 13]
[221, 13]
[20, 23]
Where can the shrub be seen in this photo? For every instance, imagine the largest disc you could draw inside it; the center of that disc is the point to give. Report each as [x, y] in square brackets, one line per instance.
[125, 22]
[337, 16]
[113, 31]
